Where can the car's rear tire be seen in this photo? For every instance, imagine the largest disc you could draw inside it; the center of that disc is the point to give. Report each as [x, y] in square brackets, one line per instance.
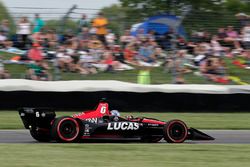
[40, 135]
[175, 131]
[66, 129]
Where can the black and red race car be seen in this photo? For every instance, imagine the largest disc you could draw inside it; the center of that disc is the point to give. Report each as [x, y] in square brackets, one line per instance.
[102, 124]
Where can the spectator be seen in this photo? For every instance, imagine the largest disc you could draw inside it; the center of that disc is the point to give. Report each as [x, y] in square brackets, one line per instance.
[110, 62]
[214, 70]
[64, 60]
[141, 35]
[221, 34]
[110, 38]
[84, 38]
[118, 53]
[83, 23]
[95, 43]
[159, 53]
[23, 31]
[4, 74]
[246, 38]
[35, 53]
[146, 53]
[51, 39]
[126, 38]
[181, 61]
[243, 19]
[38, 70]
[232, 37]
[130, 54]
[100, 23]
[151, 35]
[86, 64]
[39, 38]
[4, 27]
[3, 38]
[38, 24]
[217, 49]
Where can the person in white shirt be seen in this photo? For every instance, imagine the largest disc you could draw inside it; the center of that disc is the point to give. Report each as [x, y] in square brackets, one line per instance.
[23, 31]
[3, 38]
[246, 36]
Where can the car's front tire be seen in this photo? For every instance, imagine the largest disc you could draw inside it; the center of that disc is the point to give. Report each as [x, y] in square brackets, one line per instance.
[175, 131]
[66, 129]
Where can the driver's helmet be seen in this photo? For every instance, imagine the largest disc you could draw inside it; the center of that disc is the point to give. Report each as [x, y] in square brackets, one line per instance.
[115, 113]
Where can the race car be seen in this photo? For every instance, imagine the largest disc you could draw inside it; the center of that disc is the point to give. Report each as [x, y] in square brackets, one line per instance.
[105, 125]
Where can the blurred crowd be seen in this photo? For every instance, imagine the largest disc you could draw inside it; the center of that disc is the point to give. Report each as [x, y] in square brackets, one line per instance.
[94, 48]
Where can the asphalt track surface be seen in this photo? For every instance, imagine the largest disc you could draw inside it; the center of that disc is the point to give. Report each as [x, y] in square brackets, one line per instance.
[221, 137]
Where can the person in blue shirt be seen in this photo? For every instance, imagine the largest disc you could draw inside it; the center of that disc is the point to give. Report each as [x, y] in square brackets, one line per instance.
[38, 24]
[146, 53]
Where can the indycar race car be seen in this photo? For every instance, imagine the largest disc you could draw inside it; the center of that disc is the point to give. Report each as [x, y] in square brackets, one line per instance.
[102, 124]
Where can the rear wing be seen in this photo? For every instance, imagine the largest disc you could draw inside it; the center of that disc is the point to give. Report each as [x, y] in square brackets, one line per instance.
[37, 117]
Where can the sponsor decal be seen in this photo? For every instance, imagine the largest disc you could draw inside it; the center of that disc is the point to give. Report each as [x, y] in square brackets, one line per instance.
[29, 110]
[123, 126]
[92, 120]
[116, 119]
[43, 114]
[87, 128]
[79, 114]
[153, 124]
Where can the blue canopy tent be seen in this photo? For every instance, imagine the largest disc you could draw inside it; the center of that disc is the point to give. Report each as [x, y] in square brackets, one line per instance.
[161, 24]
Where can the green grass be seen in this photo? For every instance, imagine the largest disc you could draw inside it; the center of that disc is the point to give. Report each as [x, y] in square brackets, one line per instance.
[123, 155]
[11, 120]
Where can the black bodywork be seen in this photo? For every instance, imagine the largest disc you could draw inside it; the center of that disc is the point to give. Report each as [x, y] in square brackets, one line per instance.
[40, 123]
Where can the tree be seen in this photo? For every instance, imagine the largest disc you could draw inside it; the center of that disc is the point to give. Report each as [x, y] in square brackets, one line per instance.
[4, 14]
[119, 18]
[56, 24]
[149, 7]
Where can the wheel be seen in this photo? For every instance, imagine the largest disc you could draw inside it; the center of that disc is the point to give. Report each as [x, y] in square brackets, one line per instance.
[175, 131]
[40, 135]
[66, 129]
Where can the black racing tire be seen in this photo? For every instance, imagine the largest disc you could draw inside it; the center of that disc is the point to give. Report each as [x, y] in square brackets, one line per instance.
[39, 135]
[175, 131]
[66, 130]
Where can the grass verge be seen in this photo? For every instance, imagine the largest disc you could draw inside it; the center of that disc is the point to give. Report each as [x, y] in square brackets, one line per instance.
[123, 155]
[11, 120]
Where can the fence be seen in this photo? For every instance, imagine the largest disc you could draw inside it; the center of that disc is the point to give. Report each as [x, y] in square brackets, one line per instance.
[200, 28]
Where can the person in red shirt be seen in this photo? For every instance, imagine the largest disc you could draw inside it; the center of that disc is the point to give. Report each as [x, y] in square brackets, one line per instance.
[35, 53]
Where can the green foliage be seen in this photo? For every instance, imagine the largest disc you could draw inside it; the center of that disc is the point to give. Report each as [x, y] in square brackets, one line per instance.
[4, 14]
[60, 26]
[118, 17]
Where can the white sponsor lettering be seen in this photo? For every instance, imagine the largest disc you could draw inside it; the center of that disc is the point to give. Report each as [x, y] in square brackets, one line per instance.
[123, 126]
[92, 120]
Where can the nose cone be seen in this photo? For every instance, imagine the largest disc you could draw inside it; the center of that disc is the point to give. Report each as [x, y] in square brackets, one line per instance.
[195, 134]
